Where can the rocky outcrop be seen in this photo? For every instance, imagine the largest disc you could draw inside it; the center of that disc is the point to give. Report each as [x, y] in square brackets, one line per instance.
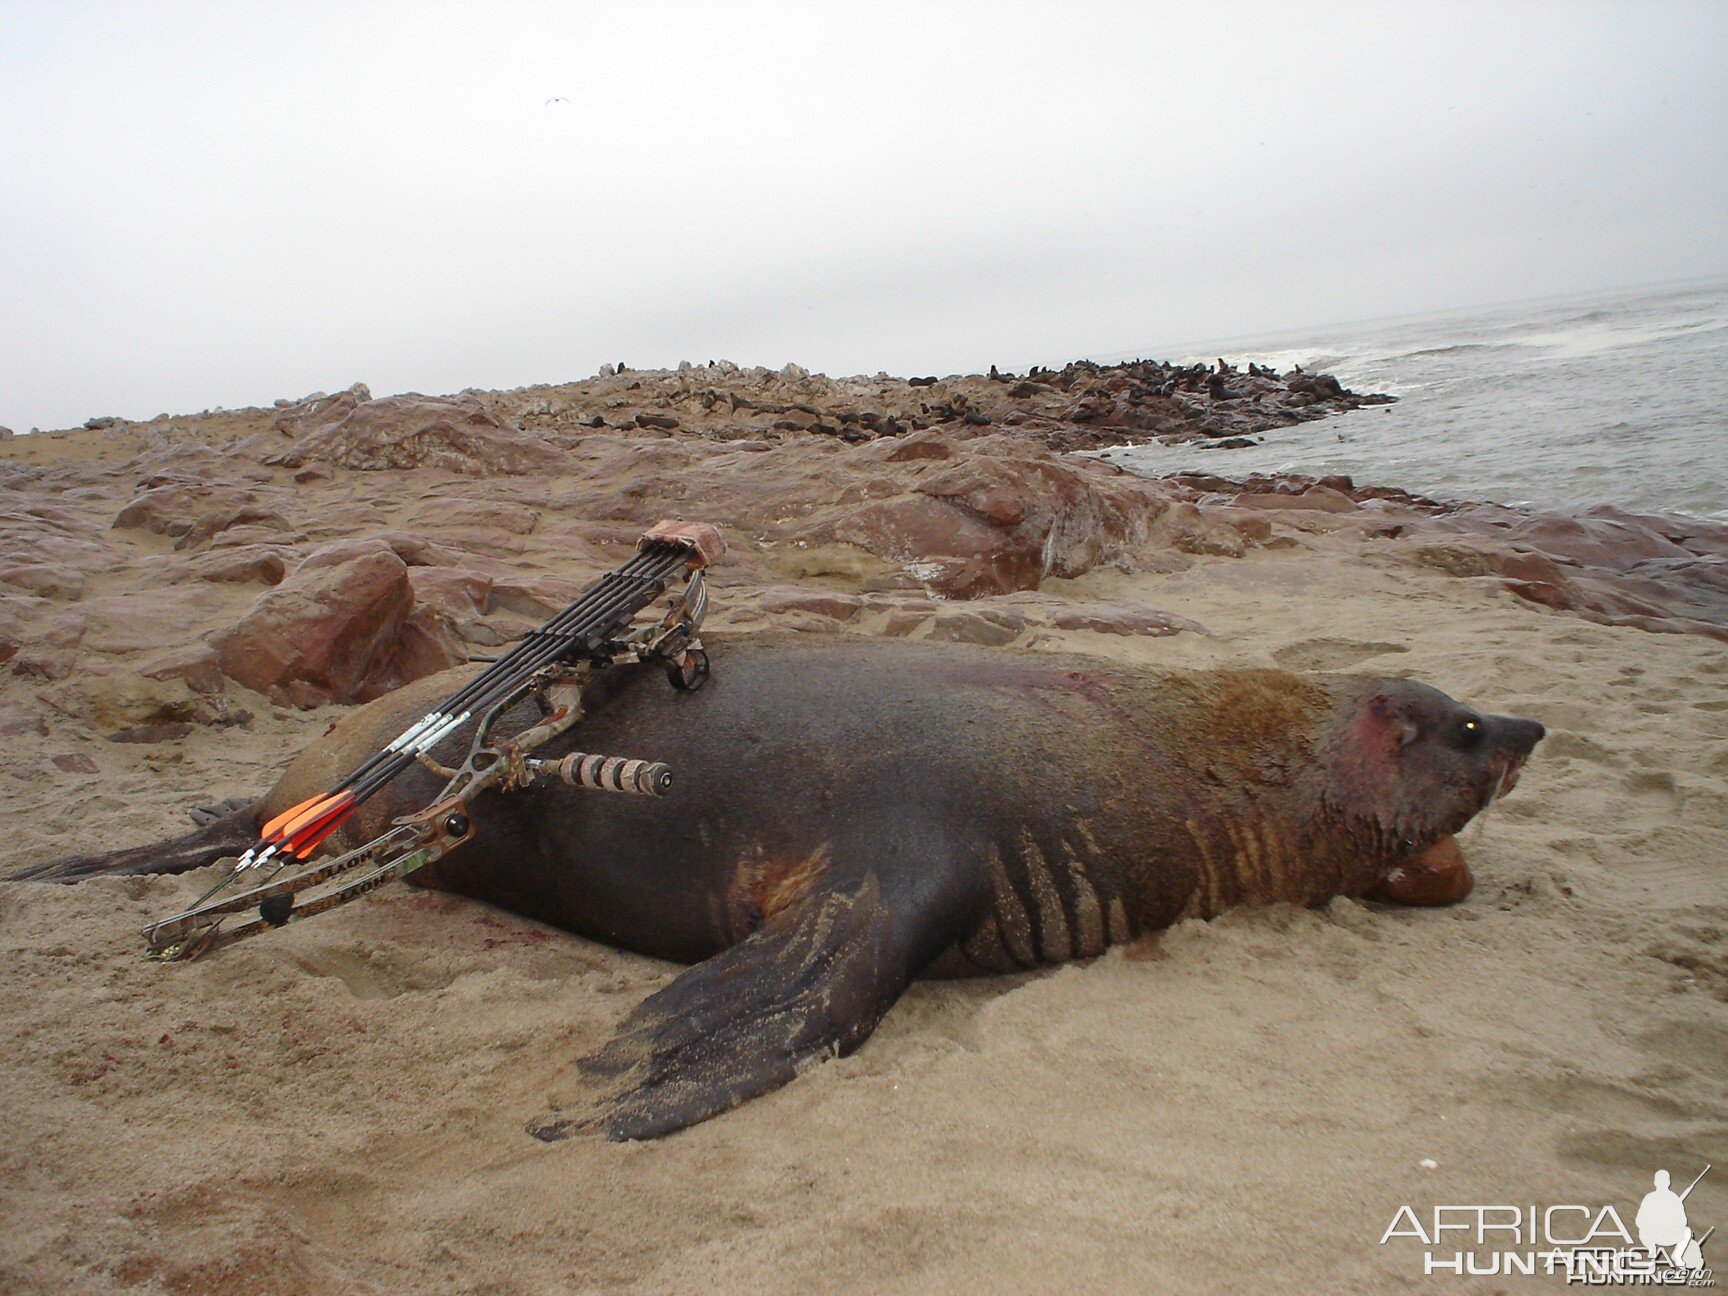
[1084, 405]
[455, 433]
[1657, 572]
[1653, 571]
[993, 519]
[335, 547]
[341, 628]
[194, 512]
[319, 410]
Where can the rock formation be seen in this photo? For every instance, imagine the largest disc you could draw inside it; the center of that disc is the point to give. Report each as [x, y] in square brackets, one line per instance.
[331, 548]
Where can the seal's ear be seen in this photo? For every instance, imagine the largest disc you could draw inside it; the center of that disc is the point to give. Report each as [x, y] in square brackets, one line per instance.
[1385, 720]
[1384, 724]
[1365, 759]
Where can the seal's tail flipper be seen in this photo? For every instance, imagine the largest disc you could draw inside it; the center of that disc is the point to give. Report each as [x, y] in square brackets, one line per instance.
[228, 835]
[810, 984]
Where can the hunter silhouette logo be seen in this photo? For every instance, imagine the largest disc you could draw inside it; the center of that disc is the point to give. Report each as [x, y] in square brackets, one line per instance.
[1662, 1226]
[1590, 1245]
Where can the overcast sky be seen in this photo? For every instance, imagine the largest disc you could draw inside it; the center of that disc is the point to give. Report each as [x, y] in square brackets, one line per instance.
[220, 204]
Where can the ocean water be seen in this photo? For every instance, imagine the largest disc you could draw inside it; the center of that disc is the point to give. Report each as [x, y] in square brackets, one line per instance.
[1613, 400]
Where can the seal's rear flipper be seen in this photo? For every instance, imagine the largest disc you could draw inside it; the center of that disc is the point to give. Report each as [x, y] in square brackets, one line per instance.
[810, 984]
[205, 815]
[229, 835]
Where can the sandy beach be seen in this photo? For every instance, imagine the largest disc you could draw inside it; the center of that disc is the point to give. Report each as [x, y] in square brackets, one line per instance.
[339, 1108]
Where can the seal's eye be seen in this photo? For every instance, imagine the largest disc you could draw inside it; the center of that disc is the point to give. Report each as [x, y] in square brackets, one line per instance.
[1470, 731]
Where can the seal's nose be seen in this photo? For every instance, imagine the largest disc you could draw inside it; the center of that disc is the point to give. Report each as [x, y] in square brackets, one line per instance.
[1521, 735]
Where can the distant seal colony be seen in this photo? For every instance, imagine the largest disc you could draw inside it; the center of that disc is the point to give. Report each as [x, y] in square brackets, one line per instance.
[849, 815]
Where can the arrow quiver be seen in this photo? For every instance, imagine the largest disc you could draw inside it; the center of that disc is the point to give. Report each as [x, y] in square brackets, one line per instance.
[549, 667]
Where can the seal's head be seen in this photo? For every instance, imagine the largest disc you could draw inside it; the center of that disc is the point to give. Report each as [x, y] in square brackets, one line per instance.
[1410, 767]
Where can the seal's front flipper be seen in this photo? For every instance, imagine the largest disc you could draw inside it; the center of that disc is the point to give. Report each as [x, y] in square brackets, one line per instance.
[810, 984]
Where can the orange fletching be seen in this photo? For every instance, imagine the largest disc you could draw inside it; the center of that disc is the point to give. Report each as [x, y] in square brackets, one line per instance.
[319, 822]
[287, 815]
[302, 849]
[314, 817]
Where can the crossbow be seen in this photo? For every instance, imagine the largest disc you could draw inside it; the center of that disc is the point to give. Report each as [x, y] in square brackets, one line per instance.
[549, 666]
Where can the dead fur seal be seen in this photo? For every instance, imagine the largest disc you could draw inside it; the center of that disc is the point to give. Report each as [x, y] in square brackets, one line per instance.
[850, 814]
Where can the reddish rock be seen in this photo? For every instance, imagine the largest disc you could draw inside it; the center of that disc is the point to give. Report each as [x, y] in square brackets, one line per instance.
[239, 537]
[1655, 573]
[991, 627]
[1479, 558]
[321, 410]
[15, 722]
[338, 553]
[455, 433]
[997, 517]
[342, 519]
[127, 623]
[1547, 593]
[44, 560]
[1326, 499]
[48, 580]
[337, 629]
[1322, 499]
[928, 444]
[116, 698]
[482, 515]
[1616, 544]
[776, 599]
[944, 547]
[67, 629]
[467, 542]
[1186, 528]
[1688, 596]
[1075, 512]
[416, 549]
[1695, 535]
[192, 513]
[983, 487]
[45, 664]
[246, 564]
[430, 642]
[1120, 617]
[902, 623]
[534, 597]
[173, 510]
[75, 763]
[195, 665]
[456, 592]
